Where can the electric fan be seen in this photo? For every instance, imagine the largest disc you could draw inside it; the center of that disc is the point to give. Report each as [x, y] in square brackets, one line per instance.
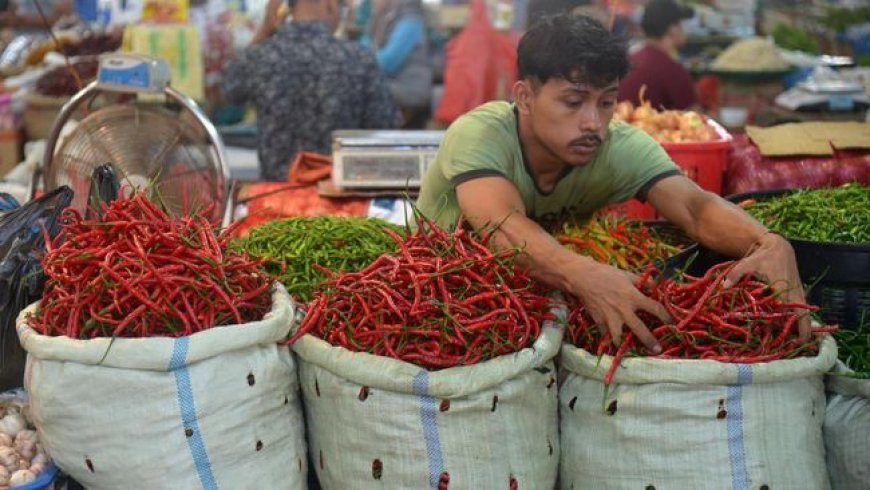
[170, 147]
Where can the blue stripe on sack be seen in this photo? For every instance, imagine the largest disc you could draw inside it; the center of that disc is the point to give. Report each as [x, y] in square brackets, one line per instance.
[429, 420]
[736, 449]
[188, 413]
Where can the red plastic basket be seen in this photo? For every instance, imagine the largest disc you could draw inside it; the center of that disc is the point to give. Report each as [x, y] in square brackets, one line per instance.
[702, 161]
[632, 208]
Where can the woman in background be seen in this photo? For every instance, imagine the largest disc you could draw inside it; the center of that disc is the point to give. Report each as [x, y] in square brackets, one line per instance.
[397, 33]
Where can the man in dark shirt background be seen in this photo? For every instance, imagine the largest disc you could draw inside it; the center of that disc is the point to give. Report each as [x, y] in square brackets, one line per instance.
[305, 83]
[668, 84]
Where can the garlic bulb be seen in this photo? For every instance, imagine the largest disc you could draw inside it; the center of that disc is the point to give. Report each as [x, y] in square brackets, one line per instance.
[4, 476]
[21, 477]
[5, 440]
[12, 424]
[39, 458]
[36, 469]
[23, 464]
[26, 449]
[26, 435]
[9, 458]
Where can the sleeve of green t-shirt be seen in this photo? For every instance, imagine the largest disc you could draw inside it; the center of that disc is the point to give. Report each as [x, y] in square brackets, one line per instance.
[637, 162]
[472, 149]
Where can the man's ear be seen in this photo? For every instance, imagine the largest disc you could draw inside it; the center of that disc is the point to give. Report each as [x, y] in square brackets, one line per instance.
[524, 92]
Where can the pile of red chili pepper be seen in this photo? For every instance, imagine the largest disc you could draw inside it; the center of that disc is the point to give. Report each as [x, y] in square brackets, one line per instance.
[136, 272]
[747, 322]
[627, 244]
[443, 300]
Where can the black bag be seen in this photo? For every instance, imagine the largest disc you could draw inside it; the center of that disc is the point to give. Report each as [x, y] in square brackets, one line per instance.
[22, 242]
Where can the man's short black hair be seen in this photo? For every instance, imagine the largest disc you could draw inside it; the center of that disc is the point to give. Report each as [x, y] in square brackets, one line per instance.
[538, 9]
[572, 47]
[660, 15]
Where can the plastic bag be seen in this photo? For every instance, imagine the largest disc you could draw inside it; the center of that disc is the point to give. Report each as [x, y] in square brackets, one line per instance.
[8, 202]
[748, 170]
[21, 279]
[481, 65]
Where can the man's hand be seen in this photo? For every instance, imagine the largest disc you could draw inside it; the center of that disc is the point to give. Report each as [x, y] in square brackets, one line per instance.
[271, 22]
[773, 260]
[609, 293]
[613, 300]
[729, 230]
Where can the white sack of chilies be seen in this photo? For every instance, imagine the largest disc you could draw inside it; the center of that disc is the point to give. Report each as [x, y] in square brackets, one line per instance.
[377, 422]
[695, 424]
[847, 430]
[216, 410]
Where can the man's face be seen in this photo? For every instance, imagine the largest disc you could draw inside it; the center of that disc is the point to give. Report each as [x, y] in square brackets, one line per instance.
[571, 119]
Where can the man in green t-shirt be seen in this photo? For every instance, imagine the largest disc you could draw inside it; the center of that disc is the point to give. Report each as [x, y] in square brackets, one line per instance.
[555, 153]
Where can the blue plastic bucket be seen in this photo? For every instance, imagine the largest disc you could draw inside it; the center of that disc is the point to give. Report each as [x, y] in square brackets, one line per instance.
[42, 481]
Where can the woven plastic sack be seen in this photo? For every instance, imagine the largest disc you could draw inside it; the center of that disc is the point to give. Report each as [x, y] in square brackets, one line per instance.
[216, 410]
[376, 422]
[847, 430]
[693, 424]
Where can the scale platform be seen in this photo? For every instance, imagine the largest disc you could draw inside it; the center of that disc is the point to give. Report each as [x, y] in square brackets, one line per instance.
[831, 95]
[382, 159]
[828, 91]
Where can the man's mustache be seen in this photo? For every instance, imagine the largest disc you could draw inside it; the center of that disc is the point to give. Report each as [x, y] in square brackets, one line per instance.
[587, 139]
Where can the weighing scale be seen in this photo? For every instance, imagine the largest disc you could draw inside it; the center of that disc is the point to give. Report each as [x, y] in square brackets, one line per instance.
[382, 159]
[827, 90]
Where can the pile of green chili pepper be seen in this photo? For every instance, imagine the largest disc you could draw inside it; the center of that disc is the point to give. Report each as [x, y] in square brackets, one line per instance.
[627, 244]
[443, 300]
[854, 349]
[292, 247]
[838, 214]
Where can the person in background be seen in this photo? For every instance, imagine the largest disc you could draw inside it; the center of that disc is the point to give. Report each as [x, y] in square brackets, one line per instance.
[668, 83]
[538, 9]
[396, 30]
[305, 83]
[555, 154]
[23, 14]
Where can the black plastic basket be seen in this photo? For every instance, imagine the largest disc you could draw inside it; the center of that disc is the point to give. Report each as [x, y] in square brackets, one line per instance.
[837, 275]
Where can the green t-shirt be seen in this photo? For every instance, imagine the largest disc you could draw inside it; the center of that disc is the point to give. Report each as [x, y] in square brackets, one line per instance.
[484, 142]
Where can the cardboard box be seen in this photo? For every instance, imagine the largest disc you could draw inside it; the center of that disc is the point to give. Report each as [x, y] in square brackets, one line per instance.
[178, 45]
[810, 138]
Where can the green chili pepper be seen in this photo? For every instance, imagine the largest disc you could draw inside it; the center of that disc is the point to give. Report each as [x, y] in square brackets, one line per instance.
[839, 214]
[854, 348]
[623, 243]
[292, 247]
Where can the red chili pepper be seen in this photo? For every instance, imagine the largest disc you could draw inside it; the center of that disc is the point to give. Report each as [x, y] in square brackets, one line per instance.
[741, 323]
[433, 306]
[135, 272]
